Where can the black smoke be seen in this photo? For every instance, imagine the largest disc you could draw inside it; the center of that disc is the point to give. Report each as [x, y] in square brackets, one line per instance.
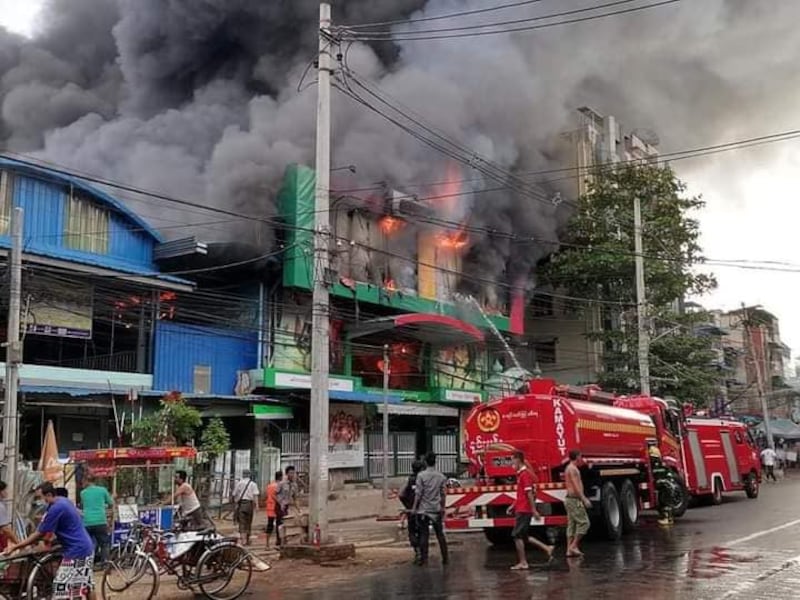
[198, 99]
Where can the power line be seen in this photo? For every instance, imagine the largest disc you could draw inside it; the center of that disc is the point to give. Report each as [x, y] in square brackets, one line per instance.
[661, 159]
[445, 144]
[463, 13]
[497, 23]
[410, 36]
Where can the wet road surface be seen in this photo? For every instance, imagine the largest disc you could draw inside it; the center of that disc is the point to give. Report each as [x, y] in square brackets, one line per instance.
[744, 549]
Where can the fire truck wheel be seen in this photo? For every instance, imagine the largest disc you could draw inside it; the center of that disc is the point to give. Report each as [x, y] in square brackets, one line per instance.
[498, 536]
[630, 506]
[611, 511]
[679, 510]
[751, 486]
[716, 494]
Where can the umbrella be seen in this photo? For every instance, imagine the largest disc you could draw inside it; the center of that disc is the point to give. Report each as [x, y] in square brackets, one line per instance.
[49, 463]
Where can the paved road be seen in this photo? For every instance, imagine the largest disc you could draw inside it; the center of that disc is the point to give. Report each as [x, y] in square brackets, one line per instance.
[741, 550]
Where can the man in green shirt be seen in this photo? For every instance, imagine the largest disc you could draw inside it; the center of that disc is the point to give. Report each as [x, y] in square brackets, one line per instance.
[94, 501]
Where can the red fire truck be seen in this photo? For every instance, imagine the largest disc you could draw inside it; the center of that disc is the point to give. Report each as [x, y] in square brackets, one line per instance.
[721, 457]
[614, 435]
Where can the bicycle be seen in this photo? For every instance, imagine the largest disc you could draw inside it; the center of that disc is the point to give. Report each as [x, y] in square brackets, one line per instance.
[198, 559]
[29, 576]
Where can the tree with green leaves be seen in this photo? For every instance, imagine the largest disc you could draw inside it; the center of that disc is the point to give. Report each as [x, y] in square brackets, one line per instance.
[215, 439]
[175, 422]
[597, 262]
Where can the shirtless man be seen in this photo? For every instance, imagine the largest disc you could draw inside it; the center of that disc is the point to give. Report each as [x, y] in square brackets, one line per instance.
[576, 504]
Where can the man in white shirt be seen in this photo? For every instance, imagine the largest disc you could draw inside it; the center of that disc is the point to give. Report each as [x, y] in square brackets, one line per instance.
[768, 461]
[245, 501]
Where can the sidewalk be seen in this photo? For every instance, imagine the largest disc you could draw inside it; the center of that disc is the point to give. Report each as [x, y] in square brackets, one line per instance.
[352, 515]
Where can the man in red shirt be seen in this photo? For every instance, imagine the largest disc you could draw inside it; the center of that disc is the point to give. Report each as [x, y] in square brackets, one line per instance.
[525, 509]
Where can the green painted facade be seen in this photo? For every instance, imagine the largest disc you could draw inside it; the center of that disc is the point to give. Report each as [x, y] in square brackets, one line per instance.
[296, 201]
[454, 375]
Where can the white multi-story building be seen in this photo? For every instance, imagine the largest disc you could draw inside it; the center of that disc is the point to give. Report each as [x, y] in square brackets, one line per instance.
[558, 332]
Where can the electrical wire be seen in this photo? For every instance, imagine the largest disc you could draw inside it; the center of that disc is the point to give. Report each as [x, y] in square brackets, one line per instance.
[410, 37]
[770, 138]
[463, 13]
[451, 147]
[662, 159]
[346, 33]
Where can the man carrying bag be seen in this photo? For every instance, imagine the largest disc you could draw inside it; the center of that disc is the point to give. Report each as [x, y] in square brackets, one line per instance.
[245, 499]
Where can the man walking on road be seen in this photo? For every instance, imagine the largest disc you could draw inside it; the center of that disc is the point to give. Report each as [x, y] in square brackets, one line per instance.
[95, 500]
[408, 497]
[287, 496]
[524, 509]
[429, 508]
[768, 460]
[273, 522]
[245, 500]
[576, 504]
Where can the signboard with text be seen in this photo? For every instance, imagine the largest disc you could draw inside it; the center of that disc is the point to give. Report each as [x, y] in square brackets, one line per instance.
[60, 311]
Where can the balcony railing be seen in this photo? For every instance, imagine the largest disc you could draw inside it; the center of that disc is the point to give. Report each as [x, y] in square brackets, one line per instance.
[121, 362]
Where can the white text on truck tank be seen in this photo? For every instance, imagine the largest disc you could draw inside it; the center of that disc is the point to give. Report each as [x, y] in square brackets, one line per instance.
[558, 420]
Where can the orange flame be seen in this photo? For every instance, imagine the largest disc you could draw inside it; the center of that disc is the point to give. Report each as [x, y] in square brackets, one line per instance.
[389, 224]
[390, 285]
[448, 193]
[453, 240]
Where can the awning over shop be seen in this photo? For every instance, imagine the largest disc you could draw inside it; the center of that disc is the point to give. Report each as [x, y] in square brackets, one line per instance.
[271, 412]
[64, 391]
[363, 397]
[421, 409]
[782, 428]
[440, 329]
[222, 411]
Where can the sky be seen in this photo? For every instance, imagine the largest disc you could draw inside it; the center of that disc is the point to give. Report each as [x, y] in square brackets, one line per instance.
[739, 221]
[19, 15]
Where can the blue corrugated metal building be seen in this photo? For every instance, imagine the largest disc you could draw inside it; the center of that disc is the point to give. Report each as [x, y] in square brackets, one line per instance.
[66, 219]
[201, 359]
[103, 321]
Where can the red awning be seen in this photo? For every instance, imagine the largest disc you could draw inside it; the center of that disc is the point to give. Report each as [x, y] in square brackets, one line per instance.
[439, 329]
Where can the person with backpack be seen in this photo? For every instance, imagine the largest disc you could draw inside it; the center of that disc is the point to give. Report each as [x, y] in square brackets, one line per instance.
[407, 497]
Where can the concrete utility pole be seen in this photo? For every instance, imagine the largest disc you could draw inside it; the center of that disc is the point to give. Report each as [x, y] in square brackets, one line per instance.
[13, 358]
[641, 301]
[762, 397]
[320, 324]
[386, 367]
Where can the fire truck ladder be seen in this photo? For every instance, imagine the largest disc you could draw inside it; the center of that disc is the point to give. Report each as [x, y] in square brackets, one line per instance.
[474, 301]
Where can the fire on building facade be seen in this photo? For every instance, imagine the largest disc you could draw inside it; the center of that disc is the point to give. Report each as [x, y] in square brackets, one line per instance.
[396, 291]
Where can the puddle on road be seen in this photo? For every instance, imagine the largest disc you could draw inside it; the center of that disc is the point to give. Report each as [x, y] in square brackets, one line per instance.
[715, 562]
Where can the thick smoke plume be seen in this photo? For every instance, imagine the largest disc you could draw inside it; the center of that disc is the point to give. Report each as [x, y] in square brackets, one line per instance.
[199, 99]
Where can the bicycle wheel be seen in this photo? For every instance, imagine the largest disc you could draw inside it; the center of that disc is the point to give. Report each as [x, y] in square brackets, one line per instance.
[40, 580]
[139, 578]
[125, 571]
[224, 572]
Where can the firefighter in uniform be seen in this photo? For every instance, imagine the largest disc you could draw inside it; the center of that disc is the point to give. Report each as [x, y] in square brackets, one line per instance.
[660, 473]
